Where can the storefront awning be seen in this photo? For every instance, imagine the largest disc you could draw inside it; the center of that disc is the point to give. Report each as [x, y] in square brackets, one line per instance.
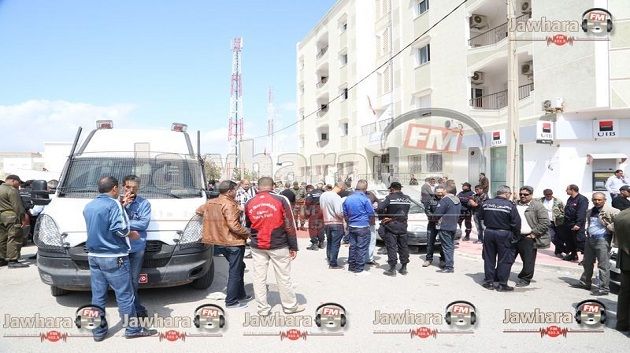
[592, 156]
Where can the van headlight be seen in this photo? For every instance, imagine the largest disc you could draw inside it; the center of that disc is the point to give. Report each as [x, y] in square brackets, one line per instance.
[46, 234]
[191, 235]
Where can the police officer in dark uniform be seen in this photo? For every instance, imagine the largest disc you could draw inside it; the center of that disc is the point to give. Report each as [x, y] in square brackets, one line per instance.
[503, 227]
[429, 209]
[393, 213]
[315, 218]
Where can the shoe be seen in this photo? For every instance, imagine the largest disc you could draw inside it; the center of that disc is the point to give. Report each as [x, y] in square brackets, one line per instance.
[236, 305]
[504, 288]
[264, 313]
[427, 263]
[313, 247]
[145, 332]
[442, 264]
[445, 270]
[390, 272]
[403, 269]
[522, 284]
[488, 285]
[298, 308]
[16, 264]
[466, 238]
[581, 285]
[559, 255]
[99, 338]
[3, 263]
[372, 263]
[337, 267]
[570, 257]
[599, 292]
[246, 298]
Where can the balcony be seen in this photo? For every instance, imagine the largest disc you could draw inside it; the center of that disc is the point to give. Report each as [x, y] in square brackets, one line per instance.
[322, 81]
[496, 34]
[322, 52]
[498, 100]
[323, 109]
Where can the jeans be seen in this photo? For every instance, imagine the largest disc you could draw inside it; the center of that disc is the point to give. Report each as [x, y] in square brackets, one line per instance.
[479, 226]
[372, 246]
[359, 244]
[235, 285]
[596, 249]
[135, 265]
[447, 239]
[114, 272]
[334, 233]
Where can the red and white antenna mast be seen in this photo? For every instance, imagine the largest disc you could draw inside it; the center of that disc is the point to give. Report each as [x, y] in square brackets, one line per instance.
[235, 126]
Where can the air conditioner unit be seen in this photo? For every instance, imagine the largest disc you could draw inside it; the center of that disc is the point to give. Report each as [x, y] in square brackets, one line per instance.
[477, 78]
[527, 68]
[478, 21]
[526, 7]
[553, 105]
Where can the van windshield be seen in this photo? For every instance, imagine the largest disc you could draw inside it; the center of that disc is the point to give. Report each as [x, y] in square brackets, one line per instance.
[163, 177]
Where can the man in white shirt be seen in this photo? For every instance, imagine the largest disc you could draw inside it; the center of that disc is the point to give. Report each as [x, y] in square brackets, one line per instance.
[615, 182]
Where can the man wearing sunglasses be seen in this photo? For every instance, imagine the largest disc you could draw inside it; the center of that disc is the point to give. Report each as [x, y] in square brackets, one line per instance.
[534, 235]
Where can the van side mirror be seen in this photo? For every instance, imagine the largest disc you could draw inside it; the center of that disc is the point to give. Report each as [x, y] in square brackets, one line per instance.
[39, 193]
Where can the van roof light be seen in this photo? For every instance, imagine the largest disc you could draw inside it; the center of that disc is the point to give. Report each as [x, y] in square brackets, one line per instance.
[179, 127]
[104, 124]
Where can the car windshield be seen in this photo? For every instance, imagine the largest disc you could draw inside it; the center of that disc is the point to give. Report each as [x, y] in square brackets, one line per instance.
[163, 177]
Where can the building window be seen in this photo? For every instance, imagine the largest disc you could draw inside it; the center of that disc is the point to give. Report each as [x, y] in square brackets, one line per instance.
[384, 41]
[415, 163]
[424, 54]
[344, 129]
[423, 101]
[434, 163]
[324, 136]
[344, 93]
[422, 7]
[343, 59]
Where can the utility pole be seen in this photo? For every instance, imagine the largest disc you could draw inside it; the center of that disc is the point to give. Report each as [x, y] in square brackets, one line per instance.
[513, 138]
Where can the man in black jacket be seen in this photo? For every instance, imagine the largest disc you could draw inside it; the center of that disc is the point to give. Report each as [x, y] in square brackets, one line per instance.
[464, 197]
[429, 209]
[574, 220]
[622, 235]
[393, 212]
[621, 201]
[315, 218]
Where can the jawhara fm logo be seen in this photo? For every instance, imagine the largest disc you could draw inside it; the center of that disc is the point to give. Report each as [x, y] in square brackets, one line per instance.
[590, 313]
[90, 317]
[461, 314]
[331, 316]
[209, 317]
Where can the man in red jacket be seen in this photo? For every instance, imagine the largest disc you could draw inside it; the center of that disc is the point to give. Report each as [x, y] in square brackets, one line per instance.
[273, 242]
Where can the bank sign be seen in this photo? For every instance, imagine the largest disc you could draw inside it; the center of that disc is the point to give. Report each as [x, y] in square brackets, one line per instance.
[608, 128]
[544, 132]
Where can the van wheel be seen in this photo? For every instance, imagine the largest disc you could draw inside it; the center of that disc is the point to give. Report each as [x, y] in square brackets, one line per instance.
[205, 281]
[57, 292]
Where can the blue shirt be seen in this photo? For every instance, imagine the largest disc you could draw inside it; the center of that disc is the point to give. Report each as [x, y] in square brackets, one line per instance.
[358, 209]
[596, 228]
[139, 213]
[107, 227]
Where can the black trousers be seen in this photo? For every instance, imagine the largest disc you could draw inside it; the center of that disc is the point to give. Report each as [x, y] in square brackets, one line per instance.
[396, 244]
[466, 218]
[498, 255]
[623, 302]
[525, 247]
[574, 239]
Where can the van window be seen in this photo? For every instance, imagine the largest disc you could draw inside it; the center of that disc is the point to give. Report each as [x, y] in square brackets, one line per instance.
[163, 177]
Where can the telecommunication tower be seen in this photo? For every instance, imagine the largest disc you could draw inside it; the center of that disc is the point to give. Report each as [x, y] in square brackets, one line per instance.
[271, 113]
[235, 125]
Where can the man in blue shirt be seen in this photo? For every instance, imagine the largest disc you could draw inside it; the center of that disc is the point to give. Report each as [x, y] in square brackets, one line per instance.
[108, 236]
[138, 210]
[357, 210]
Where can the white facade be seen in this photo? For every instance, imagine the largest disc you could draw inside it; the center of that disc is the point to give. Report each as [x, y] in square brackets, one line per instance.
[590, 78]
[47, 165]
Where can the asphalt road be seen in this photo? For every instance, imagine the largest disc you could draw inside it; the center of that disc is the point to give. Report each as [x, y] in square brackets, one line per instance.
[424, 292]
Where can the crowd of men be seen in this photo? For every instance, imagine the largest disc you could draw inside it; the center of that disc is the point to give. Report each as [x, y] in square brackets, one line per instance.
[266, 218]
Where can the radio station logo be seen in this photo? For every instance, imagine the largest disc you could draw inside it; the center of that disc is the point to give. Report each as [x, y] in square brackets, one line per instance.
[589, 315]
[460, 316]
[330, 319]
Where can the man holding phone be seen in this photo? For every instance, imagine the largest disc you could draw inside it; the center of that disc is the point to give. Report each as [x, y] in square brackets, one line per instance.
[138, 211]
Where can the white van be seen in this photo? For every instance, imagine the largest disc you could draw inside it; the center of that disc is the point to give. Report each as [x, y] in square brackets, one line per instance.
[172, 180]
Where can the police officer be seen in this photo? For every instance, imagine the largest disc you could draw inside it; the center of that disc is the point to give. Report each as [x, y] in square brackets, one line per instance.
[393, 212]
[11, 218]
[503, 226]
[315, 218]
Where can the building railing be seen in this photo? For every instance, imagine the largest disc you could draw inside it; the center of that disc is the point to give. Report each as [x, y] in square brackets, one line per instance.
[322, 82]
[498, 100]
[321, 52]
[495, 34]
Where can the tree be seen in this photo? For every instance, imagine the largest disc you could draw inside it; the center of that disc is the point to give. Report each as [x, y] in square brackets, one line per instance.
[212, 170]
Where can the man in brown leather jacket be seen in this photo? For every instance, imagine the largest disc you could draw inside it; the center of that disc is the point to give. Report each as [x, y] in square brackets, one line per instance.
[222, 228]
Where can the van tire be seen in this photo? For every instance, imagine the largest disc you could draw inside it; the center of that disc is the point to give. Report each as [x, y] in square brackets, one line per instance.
[205, 281]
[57, 292]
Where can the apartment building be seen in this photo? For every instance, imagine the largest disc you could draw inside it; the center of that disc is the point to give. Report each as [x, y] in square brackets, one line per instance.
[439, 107]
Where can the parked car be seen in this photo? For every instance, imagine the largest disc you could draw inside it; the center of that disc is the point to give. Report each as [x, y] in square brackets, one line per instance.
[417, 222]
[615, 272]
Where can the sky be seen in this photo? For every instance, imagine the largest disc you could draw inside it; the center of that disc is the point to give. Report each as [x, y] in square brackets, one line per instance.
[146, 64]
